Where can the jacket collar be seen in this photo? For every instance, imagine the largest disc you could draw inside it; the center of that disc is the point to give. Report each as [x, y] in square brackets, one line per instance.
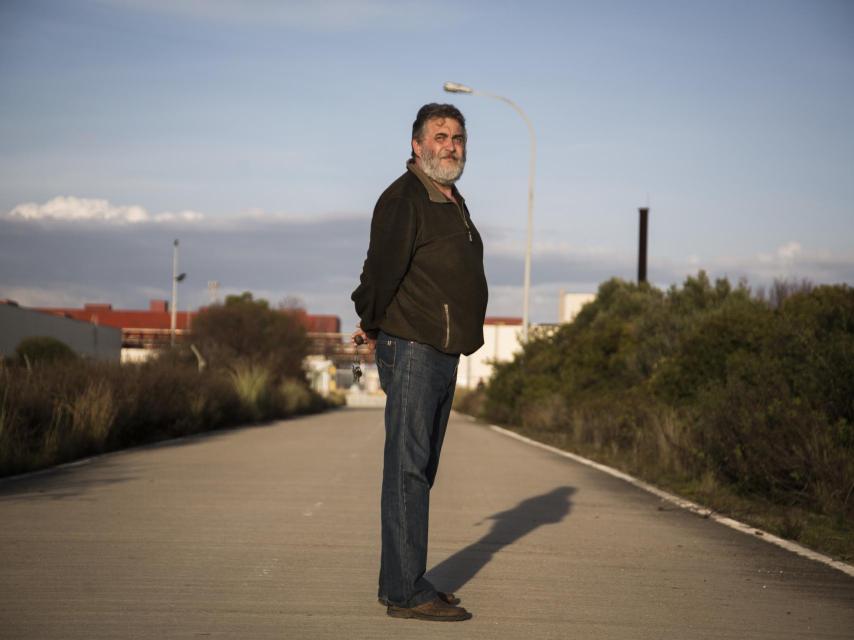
[432, 191]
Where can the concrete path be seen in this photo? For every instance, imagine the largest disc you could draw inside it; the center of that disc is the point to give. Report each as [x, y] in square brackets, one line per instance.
[272, 532]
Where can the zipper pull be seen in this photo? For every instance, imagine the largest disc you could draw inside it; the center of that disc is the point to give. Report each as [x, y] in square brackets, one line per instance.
[470, 238]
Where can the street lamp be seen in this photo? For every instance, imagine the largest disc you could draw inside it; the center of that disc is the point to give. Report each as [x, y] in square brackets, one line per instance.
[454, 87]
[176, 278]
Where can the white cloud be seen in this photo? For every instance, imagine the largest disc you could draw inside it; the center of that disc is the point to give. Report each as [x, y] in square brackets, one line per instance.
[56, 296]
[789, 251]
[70, 250]
[71, 208]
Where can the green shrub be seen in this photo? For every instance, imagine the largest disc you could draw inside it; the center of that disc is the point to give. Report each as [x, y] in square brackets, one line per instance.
[43, 350]
[294, 397]
[704, 384]
[764, 440]
[245, 330]
[471, 401]
[738, 325]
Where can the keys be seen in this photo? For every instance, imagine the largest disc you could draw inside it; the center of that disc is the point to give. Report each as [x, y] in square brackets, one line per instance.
[357, 366]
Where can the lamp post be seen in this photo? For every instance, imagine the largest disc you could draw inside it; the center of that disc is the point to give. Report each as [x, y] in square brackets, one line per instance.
[453, 87]
[176, 278]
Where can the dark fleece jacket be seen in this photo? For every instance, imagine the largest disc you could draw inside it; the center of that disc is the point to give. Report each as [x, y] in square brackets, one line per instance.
[423, 279]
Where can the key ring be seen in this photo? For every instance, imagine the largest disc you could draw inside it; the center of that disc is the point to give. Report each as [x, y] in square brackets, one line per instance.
[357, 365]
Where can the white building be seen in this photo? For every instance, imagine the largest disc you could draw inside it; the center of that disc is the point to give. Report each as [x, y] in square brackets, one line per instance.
[502, 339]
[569, 304]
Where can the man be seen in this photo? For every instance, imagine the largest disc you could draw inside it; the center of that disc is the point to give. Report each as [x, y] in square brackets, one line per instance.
[422, 301]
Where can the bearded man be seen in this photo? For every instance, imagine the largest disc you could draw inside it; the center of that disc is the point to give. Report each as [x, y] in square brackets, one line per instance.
[421, 301]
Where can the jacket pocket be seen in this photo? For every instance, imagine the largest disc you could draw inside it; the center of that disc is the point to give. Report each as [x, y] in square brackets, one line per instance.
[447, 313]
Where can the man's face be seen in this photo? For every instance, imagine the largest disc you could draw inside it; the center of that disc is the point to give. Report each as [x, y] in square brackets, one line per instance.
[441, 153]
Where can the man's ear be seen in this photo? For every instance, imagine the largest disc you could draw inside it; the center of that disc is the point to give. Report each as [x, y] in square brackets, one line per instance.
[416, 147]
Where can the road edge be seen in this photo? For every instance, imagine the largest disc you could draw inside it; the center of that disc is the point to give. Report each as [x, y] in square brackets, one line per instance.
[682, 503]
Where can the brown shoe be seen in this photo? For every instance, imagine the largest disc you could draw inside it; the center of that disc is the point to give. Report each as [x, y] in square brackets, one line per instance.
[436, 610]
[447, 598]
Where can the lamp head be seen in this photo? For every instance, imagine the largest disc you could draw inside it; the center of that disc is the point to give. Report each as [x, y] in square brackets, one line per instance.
[456, 87]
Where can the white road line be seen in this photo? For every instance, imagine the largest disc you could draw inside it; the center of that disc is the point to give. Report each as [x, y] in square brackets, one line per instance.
[693, 507]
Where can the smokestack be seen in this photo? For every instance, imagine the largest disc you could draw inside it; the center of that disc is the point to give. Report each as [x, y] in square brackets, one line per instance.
[644, 218]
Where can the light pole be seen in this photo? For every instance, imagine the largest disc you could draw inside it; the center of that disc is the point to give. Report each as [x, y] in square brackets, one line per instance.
[176, 278]
[453, 87]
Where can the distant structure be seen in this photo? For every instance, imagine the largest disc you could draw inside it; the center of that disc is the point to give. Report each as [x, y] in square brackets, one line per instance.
[569, 304]
[502, 338]
[145, 331]
[87, 339]
[642, 243]
[213, 291]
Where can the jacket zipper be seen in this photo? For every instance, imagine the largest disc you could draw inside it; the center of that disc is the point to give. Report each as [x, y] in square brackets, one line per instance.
[465, 222]
[447, 325]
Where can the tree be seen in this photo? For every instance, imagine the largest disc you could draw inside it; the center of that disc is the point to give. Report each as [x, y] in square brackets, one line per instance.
[246, 330]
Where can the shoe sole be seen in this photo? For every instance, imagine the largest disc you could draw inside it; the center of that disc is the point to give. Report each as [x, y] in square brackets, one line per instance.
[412, 615]
[453, 603]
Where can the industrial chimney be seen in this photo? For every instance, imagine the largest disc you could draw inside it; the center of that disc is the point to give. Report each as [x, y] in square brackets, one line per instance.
[644, 218]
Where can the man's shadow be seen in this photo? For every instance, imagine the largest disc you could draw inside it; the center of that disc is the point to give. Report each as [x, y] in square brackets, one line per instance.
[507, 527]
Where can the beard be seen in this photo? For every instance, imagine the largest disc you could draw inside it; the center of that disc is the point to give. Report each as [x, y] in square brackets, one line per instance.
[442, 172]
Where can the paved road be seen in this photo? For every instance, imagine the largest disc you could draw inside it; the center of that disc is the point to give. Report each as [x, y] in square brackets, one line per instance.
[272, 532]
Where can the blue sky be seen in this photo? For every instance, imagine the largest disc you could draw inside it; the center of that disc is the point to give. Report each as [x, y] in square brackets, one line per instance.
[277, 124]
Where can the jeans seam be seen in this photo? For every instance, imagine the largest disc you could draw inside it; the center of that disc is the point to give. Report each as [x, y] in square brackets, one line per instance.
[406, 570]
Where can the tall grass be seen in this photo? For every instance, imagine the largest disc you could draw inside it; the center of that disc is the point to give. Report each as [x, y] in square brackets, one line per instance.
[56, 412]
[252, 384]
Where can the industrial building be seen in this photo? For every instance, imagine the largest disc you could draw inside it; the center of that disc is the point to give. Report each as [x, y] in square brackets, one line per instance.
[84, 338]
[144, 331]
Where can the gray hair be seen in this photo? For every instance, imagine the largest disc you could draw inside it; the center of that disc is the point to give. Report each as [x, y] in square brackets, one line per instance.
[432, 111]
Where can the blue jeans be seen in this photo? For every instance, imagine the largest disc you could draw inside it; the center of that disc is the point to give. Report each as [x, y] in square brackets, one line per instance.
[419, 382]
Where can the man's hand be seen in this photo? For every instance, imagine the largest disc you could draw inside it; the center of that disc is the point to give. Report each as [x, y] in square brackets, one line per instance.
[360, 337]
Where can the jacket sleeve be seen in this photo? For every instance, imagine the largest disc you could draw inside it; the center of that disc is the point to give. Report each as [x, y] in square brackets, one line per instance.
[393, 231]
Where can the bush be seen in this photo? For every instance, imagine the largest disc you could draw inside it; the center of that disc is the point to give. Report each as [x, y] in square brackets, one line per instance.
[763, 440]
[245, 330]
[295, 397]
[43, 350]
[53, 413]
[738, 325]
[471, 401]
[704, 384]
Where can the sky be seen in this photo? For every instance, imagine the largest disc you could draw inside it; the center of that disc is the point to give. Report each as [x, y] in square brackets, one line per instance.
[261, 133]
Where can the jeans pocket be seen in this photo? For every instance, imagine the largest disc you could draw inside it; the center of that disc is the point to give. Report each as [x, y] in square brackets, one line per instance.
[385, 353]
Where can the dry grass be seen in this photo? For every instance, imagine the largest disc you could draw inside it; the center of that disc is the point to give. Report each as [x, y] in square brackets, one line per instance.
[252, 384]
[660, 450]
[294, 396]
[53, 413]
